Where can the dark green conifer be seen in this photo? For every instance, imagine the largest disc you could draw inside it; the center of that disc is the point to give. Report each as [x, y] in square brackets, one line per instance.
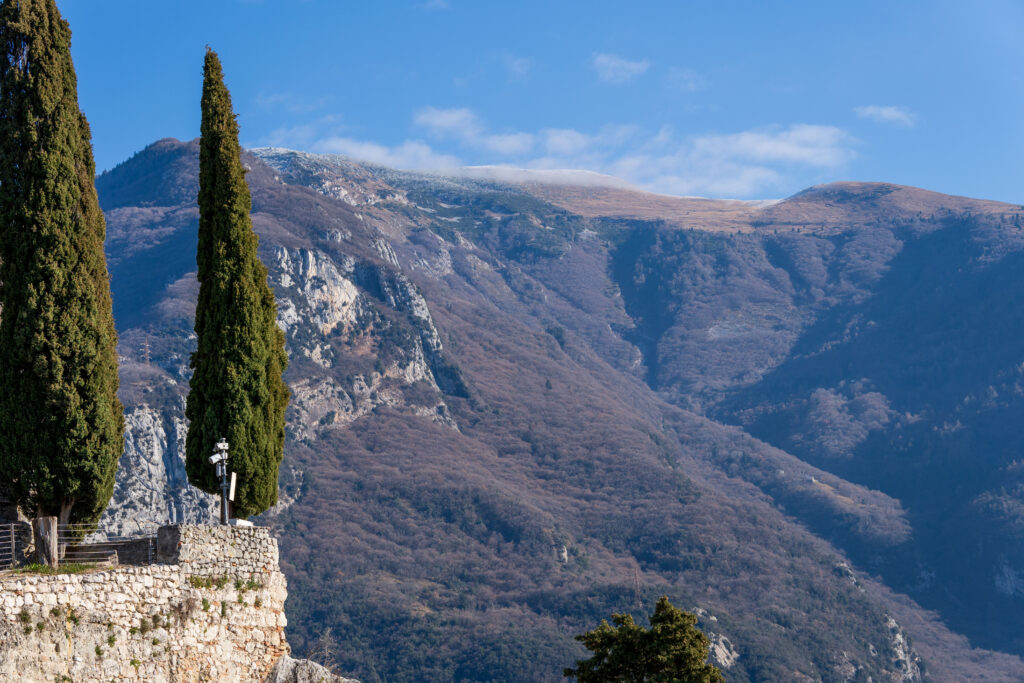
[672, 650]
[61, 425]
[236, 391]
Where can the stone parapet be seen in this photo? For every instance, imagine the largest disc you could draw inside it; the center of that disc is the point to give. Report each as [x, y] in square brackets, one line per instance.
[218, 550]
[215, 613]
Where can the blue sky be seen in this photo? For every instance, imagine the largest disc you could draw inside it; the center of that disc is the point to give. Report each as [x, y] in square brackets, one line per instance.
[722, 99]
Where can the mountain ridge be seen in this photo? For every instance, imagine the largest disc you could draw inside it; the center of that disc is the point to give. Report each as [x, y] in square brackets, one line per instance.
[483, 377]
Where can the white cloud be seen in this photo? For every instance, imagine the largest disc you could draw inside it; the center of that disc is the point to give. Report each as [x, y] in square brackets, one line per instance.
[514, 174]
[684, 80]
[565, 141]
[518, 68]
[464, 125]
[454, 123]
[303, 136]
[327, 135]
[756, 162]
[411, 154]
[821, 146]
[738, 164]
[617, 135]
[614, 69]
[511, 144]
[741, 164]
[902, 116]
[716, 181]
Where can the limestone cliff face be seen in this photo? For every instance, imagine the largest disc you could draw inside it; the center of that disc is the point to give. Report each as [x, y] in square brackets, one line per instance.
[906, 663]
[151, 486]
[316, 297]
[359, 334]
[334, 308]
[288, 670]
[212, 609]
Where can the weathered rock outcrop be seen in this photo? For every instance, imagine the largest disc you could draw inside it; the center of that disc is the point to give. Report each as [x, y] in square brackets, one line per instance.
[151, 486]
[288, 670]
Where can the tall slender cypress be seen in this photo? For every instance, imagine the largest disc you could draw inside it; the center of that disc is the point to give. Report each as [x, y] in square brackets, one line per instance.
[236, 391]
[61, 425]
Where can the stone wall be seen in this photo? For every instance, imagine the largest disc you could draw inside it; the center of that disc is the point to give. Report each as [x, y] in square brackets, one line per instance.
[212, 610]
[217, 550]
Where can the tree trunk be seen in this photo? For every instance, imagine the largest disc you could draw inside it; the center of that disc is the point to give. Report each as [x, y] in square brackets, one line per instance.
[44, 531]
[64, 516]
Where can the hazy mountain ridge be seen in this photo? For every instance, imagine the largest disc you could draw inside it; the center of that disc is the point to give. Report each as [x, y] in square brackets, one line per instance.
[509, 417]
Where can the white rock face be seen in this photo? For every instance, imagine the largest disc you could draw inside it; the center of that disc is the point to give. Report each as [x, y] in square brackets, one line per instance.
[287, 315]
[290, 670]
[436, 266]
[385, 251]
[721, 653]
[151, 486]
[404, 296]
[324, 404]
[320, 302]
[905, 660]
[326, 297]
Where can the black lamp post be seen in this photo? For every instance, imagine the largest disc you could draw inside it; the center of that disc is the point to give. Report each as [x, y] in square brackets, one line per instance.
[220, 460]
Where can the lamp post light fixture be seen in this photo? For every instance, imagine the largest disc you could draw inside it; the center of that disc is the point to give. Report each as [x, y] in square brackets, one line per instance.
[220, 460]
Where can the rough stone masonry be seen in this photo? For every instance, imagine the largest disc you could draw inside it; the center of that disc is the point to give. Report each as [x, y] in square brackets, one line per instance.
[211, 609]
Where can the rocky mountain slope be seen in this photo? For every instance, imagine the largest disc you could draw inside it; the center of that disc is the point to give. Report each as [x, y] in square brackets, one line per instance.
[517, 409]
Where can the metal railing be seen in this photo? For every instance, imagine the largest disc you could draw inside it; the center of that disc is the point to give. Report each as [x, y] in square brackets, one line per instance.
[15, 541]
[86, 544]
[77, 544]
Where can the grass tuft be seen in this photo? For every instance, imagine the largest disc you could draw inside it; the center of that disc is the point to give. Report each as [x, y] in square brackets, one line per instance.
[70, 568]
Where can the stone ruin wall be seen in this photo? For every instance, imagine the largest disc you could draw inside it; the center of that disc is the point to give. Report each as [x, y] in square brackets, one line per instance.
[211, 609]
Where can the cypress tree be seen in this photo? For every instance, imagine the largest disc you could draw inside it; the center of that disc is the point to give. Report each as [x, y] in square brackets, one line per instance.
[61, 425]
[236, 390]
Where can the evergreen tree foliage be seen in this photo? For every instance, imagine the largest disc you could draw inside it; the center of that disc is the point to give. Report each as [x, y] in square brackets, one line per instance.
[61, 424]
[236, 391]
[673, 650]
